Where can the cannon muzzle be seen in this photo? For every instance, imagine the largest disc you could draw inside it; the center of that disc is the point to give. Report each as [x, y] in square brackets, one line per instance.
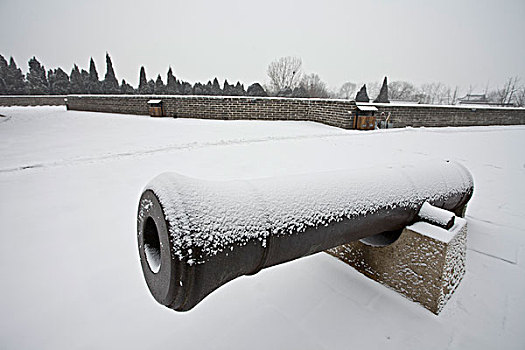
[196, 235]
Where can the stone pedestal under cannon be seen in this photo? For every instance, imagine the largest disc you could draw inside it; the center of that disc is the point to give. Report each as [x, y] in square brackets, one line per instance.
[425, 263]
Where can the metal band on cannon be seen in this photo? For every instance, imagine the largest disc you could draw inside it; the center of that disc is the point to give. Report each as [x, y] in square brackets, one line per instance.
[196, 235]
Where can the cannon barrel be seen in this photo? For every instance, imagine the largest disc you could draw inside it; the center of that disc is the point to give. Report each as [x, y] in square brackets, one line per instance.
[196, 235]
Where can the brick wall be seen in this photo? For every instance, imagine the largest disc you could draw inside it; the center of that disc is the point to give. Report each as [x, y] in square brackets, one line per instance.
[34, 100]
[339, 113]
[430, 116]
[330, 112]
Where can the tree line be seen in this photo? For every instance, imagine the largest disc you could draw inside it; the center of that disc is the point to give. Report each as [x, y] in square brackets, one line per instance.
[510, 93]
[38, 81]
[286, 79]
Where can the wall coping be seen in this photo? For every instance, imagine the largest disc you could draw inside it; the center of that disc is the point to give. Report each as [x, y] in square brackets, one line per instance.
[204, 97]
[409, 105]
[422, 105]
[220, 97]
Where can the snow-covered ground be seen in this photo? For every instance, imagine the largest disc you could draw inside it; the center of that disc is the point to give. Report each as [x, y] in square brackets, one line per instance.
[71, 278]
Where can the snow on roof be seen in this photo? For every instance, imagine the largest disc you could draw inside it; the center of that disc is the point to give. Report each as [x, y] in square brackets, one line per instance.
[367, 108]
[474, 98]
[154, 101]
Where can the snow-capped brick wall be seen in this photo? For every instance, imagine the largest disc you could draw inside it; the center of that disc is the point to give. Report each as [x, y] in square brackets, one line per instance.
[36, 100]
[330, 112]
[436, 115]
[338, 113]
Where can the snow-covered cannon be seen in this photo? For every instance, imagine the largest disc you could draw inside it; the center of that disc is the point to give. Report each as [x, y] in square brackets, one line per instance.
[196, 235]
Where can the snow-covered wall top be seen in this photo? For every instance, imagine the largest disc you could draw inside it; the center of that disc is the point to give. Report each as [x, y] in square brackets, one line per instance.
[338, 113]
[331, 112]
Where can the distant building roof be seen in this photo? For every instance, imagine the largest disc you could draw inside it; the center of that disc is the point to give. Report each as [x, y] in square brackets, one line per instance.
[473, 99]
[480, 99]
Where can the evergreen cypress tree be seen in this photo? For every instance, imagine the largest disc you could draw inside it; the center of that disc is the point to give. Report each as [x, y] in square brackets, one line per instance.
[3, 87]
[362, 95]
[256, 90]
[239, 89]
[143, 82]
[208, 88]
[85, 80]
[76, 84]
[3, 67]
[383, 94]
[198, 89]
[14, 81]
[186, 88]
[61, 82]
[171, 84]
[36, 78]
[227, 90]
[151, 86]
[178, 87]
[300, 92]
[94, 85]
[110, 81]
[126, 88]
[216, 87]
[159, 86]
[58, 81]
[3, 75]
[51, 81]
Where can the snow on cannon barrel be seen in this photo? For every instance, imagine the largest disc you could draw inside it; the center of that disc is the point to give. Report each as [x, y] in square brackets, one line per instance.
[196, 235]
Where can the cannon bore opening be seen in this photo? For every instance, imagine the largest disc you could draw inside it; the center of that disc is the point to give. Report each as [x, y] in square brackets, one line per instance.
[152, 244]
[382, 239]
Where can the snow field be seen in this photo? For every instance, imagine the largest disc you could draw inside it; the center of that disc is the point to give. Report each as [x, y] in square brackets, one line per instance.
[71, 278]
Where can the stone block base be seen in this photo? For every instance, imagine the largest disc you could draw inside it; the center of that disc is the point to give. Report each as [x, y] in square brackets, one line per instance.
[425, 264]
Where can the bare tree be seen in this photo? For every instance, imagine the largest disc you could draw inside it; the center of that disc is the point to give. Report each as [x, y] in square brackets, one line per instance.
[347, 90]
[452, 96]
[471, 89]
[314, 86]
[519, 97]
[373, 88]
[285, 73]
[401, 90]
[433, 93]
[505, 94]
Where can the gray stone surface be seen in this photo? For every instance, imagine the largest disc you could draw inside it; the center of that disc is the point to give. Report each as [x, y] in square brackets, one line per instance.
[425, 264]
[330, 112]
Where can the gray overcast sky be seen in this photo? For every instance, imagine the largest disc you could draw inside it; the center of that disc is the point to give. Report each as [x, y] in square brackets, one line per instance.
[453, 41]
